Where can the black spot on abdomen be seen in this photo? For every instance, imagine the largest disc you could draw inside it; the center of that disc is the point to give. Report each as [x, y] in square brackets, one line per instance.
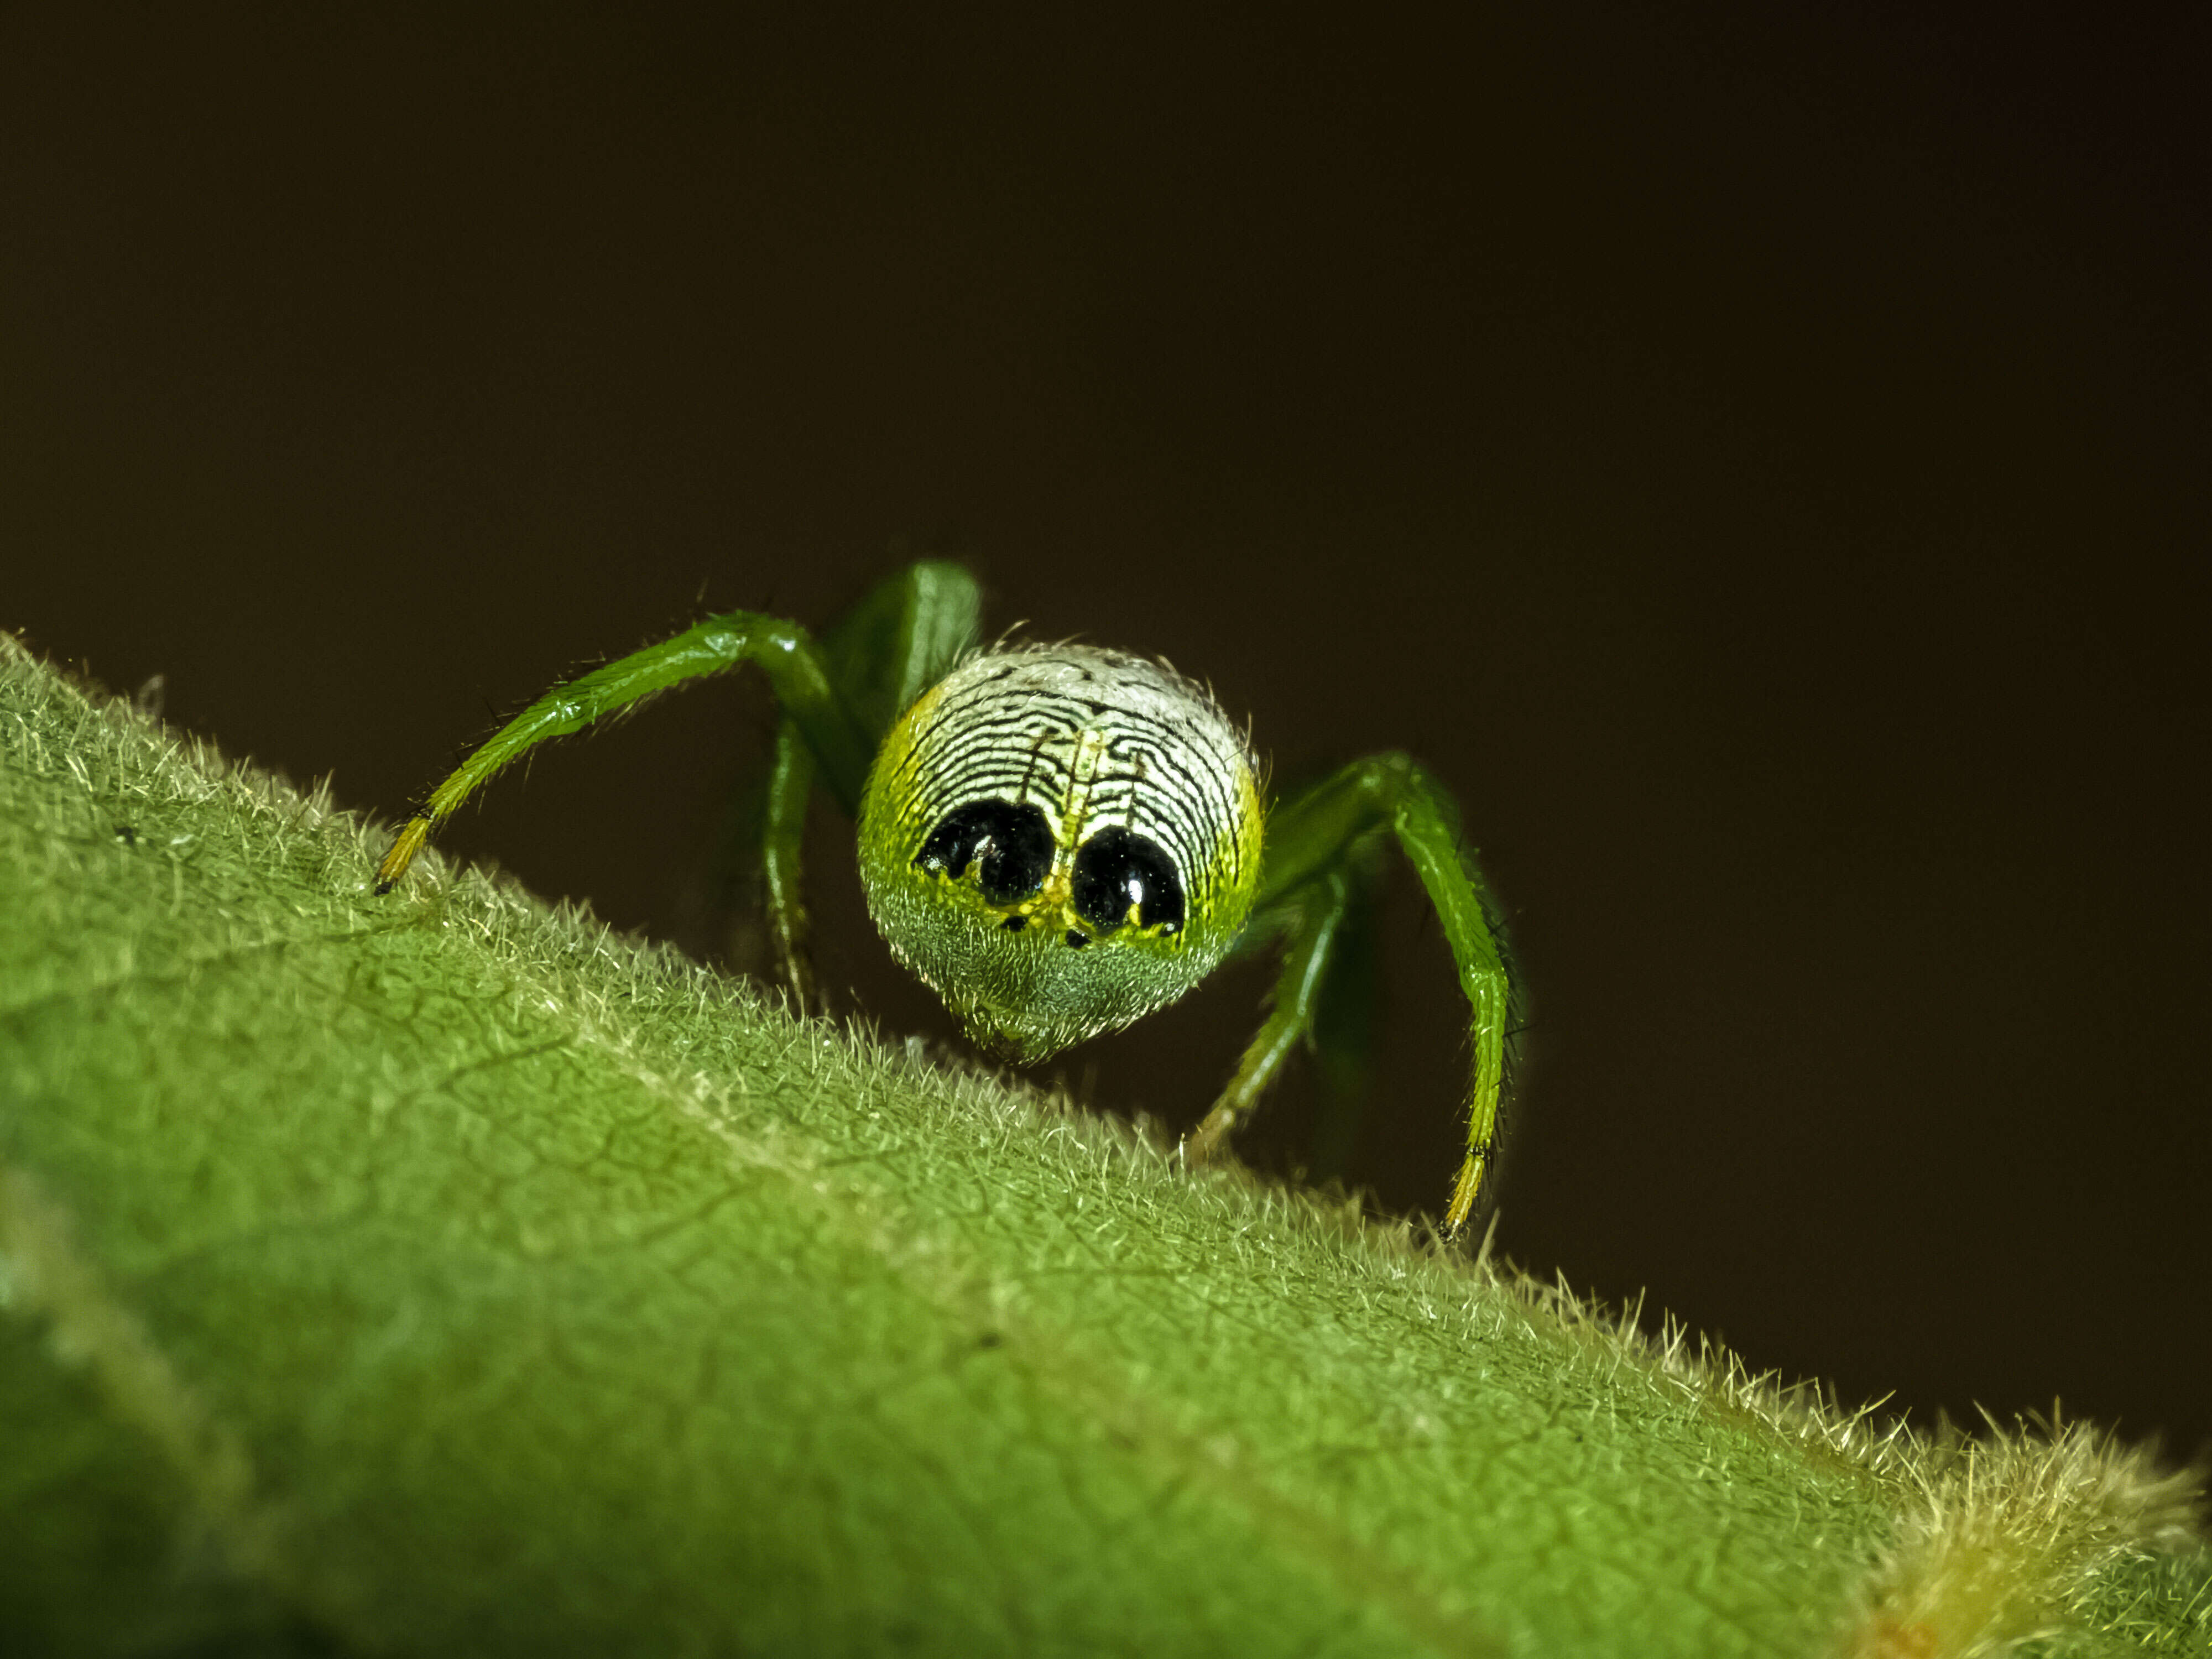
[1116, 868]
[1012, 843]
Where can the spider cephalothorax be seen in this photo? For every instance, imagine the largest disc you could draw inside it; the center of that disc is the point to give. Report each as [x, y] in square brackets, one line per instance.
[1056, 839]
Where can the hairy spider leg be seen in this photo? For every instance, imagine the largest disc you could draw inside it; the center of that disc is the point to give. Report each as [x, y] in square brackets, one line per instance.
[771, 824]
[796, 669]
[902, 637]
[1317, 916]
[1323, 999]
[1311, 840]
[1344, 1024]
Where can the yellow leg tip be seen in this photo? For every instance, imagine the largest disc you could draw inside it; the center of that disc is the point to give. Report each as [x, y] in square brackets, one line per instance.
[404, 846]
[1209, 1142]
[1465, 1191]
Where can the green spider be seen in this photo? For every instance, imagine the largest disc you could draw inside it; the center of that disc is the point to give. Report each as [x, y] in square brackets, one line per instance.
[1057, 839]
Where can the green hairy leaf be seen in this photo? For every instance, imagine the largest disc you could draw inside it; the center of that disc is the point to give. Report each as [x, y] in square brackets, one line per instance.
[441, 1273]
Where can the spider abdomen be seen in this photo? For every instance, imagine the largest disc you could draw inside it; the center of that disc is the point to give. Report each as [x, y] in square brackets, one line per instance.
[1058, 840]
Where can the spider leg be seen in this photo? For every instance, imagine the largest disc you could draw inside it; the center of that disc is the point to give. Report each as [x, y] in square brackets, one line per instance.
[1319, 915]
[1313, 839]
[905, 635]
[752, 899]
[922, 607]
[1343, 1021]
[789, 787]
[899, 641]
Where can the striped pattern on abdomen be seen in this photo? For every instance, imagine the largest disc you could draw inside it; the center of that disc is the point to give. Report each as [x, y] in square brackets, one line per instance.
[1092, 738]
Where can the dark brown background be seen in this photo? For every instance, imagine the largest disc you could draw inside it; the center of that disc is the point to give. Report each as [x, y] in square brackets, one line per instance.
[1759, 461]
